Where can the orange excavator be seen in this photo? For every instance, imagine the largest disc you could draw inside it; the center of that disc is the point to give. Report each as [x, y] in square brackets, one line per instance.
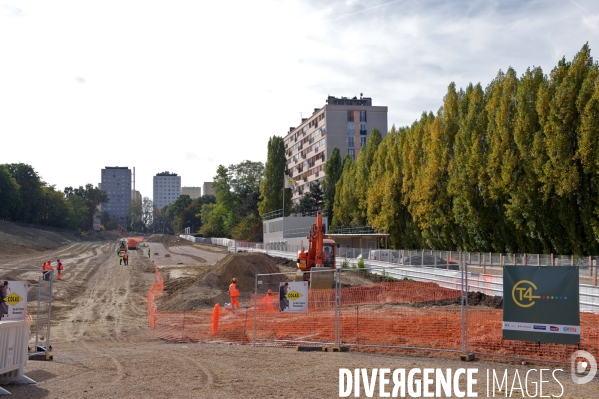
[320, 255]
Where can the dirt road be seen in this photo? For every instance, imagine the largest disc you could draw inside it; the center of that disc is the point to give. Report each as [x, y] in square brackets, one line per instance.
[103, 347]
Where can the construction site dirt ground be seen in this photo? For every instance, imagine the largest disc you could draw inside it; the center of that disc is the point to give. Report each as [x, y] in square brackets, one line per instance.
[103, 347]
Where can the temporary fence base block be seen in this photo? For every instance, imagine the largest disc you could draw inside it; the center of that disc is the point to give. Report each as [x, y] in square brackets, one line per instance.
[340, 349]
[467, 357]
[19, 380]
[311, 348]
[41, 356]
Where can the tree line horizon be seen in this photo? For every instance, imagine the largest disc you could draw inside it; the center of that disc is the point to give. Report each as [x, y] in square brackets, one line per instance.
[513, 167]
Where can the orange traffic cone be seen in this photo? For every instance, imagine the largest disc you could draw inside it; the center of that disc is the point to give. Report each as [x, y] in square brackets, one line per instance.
[59, 276]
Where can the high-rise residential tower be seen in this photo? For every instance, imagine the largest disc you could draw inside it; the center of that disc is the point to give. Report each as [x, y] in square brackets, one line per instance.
[345, 123]
[167, 188]
[116, 182]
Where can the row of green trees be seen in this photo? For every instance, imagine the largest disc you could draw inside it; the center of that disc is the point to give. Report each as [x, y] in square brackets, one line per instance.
[232, 212]
[182, 213]
[235, 212]
[24, 197]
[513, 167]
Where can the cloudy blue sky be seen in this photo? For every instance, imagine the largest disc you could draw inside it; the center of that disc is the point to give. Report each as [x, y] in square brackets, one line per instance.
[185, 86]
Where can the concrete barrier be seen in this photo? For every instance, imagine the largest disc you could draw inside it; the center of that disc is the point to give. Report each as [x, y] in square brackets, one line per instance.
[14, 336]
[225, 242]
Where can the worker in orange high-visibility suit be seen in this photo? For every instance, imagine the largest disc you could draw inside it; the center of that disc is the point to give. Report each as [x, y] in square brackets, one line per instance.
[268, 301]
[234, 293]
[59, 269]
[47, 270]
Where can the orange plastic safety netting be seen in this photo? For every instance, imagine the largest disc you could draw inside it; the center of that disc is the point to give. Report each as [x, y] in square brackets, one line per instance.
[155, 290]
[391, 316]
[485, 338]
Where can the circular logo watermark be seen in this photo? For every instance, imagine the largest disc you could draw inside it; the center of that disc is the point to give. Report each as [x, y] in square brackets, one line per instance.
[580, 366]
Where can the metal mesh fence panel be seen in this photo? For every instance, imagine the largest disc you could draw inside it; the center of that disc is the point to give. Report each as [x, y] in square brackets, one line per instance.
[276, 327]
[39, 298]
[381, 309]
[382, 312]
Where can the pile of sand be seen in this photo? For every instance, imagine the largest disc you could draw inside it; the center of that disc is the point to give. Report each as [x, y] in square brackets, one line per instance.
[212, 287]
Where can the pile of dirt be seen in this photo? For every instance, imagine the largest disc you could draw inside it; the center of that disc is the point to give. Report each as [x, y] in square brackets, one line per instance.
[211, 286]
[474, 299]
[284, 261]
[243, 266]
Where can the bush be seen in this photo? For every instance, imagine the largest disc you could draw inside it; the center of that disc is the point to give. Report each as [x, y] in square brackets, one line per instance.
[361, 264]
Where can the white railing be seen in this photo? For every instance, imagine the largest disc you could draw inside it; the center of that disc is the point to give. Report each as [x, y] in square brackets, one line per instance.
[489, 284]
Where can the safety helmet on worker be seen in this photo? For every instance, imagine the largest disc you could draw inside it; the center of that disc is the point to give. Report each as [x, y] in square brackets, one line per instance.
[234, 280]
[269, 291]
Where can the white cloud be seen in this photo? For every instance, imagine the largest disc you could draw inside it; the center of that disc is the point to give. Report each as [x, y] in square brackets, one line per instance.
[10, 11]
[591, 22]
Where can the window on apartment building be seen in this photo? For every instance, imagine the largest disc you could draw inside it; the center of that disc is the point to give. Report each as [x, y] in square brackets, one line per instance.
[350, 128]
[362, 116]
[350, 141]
[362, 141]
[351, 153]
[363, 129]
[350, 116]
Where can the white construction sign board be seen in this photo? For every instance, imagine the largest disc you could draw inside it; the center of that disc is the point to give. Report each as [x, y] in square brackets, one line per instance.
[293, 296]
[13, 300]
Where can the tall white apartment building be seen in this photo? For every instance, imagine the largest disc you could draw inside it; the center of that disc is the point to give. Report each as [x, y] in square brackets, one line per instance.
[167, 188]
[116, 182]
[344, 123]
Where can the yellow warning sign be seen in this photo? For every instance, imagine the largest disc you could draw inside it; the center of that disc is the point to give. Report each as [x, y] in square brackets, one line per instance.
[13, 299]
[294, 295]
